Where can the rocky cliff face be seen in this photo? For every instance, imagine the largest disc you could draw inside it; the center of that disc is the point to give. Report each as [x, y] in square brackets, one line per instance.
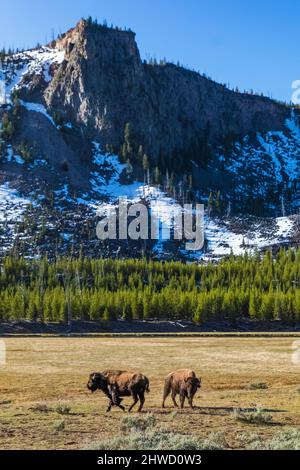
[103, 84]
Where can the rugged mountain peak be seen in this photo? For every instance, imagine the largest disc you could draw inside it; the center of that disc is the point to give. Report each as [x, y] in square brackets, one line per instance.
[86, 31]
[173, 113]
[97, 80]
[69, 37]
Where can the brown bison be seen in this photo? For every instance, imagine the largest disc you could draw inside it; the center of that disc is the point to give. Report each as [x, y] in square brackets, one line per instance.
[183, 382]
[120, 383]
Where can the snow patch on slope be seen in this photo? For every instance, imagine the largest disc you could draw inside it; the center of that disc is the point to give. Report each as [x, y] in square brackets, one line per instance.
[273, 157]
[222, 240]
[106, 182]
[285, 226]
[10, 157]
[14, 69]
[41, 61]
[37, 108]
[12, 205]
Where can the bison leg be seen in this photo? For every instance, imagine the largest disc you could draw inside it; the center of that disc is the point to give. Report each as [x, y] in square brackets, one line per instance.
[167, 390]
[173, 395]
[182, 398]
[110, 403]
[135, 400]
[142, 400]
[190, 399]
[116, 400]
[121, 406]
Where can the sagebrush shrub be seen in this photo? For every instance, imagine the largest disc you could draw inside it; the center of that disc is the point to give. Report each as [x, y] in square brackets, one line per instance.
[289, 439]
[258, 386]
[59, 425]
[258, 416]
[142, 433]
[138, 422]
[63, 409]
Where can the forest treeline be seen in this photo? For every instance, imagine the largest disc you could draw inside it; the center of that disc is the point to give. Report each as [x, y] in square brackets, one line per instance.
[261, 287]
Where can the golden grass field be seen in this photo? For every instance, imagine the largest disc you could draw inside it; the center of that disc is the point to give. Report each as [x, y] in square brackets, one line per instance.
[50, 371]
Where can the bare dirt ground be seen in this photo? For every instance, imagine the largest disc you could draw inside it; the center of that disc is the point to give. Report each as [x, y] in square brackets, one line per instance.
[42, 373]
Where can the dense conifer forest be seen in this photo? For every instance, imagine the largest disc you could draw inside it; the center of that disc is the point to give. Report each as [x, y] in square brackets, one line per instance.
[261, 287]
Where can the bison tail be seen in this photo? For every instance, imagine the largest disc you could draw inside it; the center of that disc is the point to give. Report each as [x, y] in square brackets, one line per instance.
[147, 387]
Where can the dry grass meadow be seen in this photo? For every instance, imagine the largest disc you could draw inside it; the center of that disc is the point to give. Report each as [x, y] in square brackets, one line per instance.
[42, 374]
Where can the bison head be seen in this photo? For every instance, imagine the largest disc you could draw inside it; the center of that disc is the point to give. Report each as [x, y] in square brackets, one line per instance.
[192, 384]
[197, 382]
[96, 381]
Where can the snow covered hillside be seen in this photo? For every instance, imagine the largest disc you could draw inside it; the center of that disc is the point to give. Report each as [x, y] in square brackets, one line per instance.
[63, 181]
[266, 167]
[12, 209]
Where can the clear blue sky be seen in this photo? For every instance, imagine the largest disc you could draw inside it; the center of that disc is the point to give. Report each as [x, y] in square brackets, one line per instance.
[248, 43]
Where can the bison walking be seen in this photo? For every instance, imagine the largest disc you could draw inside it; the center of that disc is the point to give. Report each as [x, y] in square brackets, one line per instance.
[183, 382]
[119, 383]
